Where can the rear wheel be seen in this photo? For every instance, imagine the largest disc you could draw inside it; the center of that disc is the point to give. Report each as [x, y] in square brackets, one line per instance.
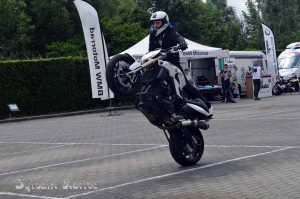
[185, 149]
[297, 86]
[277, 90]
[116, 75]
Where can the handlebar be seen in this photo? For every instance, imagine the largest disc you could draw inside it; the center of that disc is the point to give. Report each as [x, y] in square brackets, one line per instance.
[149, 62]
[173, 49]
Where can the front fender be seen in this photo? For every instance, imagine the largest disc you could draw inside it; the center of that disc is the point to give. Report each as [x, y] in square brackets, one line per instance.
[130, 57]
[135, 63]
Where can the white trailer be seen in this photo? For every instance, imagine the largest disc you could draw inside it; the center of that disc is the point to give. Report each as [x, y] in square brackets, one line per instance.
[240, 62]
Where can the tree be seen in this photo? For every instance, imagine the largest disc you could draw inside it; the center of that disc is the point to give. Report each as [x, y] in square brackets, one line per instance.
[130, 12]
[282, 17]
[15, 29]
[231, 26]
[120, 35]
[220, 4]
[186, 22]
[52, 23]
[253, 30]
[122, 22]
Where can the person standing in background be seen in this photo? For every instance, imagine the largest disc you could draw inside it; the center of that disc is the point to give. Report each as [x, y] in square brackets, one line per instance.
[256, 77]
[225, 75]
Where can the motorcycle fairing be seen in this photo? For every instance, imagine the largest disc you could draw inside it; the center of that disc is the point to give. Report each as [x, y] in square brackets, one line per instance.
[176, 74]
[198, 109]
[150, 54]
[134, 66]
[150, 109]
[180, 82]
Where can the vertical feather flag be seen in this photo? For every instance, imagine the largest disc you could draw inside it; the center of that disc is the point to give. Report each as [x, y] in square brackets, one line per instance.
[96, 49]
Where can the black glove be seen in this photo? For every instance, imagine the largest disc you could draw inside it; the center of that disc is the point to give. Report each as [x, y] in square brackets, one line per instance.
[183, 46]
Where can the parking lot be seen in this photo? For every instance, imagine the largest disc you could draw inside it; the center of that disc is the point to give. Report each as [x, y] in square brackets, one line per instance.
[252, 150]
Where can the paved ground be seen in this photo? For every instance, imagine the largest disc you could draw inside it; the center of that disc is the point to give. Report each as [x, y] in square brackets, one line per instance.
[252, 151]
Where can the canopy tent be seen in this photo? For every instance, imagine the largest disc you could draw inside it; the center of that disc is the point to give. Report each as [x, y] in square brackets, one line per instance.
[199, 59]
[194, 51]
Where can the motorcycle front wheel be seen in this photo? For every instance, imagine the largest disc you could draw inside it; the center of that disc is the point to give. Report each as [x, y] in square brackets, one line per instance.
[276, 90]
[116, 75]
[186, 151]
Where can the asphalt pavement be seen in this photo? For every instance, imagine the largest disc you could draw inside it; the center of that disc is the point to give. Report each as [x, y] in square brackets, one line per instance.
[252, 150]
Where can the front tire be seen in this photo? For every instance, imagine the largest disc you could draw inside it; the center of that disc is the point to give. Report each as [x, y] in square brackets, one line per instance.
[116, 75]
[182, 152]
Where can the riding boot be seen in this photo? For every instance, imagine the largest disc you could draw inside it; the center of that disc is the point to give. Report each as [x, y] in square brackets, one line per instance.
[171, 116]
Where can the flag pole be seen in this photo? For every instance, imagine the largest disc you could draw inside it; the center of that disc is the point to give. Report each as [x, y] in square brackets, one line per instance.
[108, 90]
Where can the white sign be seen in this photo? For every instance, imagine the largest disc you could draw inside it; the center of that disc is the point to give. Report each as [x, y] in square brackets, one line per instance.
[13, 107]
[270, 50]
[266, 87]
[96, 49]
[230, 62]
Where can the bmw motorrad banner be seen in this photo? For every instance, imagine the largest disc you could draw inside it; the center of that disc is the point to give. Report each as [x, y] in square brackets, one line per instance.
[96, 49]
[270, 50]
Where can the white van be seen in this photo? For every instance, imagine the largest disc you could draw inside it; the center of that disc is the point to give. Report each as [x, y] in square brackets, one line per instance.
[289, 61]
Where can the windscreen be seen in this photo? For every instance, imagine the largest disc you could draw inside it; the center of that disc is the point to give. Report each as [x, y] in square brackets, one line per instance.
[288, 62]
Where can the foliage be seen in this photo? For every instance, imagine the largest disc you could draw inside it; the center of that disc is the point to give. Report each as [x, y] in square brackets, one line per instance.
[45, 86]
[282, 17]
[15, 29]
[71, 47]
[253, 30]
[130, 12]
[51, 21]
[120, 35]
[186, 22]
[39, 28]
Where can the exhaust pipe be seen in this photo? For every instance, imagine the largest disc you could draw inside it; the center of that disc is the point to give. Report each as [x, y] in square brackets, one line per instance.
[196, 123]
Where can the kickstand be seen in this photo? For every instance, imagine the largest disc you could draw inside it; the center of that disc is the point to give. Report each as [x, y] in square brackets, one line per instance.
[111, 109]
[166, 135]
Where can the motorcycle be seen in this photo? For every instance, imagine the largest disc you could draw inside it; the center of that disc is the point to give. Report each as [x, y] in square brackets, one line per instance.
[284, 86]
[159, 95]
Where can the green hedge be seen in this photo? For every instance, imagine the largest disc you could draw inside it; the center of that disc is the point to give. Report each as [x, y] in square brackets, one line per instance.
[45, 86]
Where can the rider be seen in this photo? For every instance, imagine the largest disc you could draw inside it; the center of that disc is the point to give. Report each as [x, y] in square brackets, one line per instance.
[163, 35]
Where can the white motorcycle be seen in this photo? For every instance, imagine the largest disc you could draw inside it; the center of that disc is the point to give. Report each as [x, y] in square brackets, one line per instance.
[158, 89]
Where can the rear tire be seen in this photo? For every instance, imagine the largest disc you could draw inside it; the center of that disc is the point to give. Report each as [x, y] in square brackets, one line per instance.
[181, 151]
[276, 90]
[296, 87]
[116, 77]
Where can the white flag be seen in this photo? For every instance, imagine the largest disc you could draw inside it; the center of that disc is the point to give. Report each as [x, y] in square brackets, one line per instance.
[96, 49]
[270, 50]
